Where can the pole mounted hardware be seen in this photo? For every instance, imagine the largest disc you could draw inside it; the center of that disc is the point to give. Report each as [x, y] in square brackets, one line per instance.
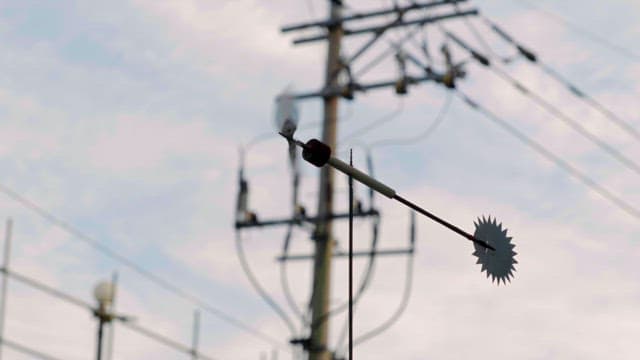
[492, 246]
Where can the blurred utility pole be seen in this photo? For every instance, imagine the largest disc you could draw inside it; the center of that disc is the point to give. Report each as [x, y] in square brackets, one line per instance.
[340, 82]
[5, 279]
[318, 349]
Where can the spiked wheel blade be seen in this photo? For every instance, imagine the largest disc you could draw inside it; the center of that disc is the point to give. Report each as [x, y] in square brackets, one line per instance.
[499, 263]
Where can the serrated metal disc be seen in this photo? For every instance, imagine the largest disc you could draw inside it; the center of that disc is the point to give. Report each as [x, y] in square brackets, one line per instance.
[498, 264]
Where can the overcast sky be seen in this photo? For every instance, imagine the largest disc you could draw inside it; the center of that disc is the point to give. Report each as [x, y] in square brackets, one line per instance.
[124, 119]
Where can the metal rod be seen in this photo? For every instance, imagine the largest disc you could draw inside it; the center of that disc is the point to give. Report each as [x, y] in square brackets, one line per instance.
[421, 21]
[5, 277]
[440, 221]
[195, 334]
[344, 254]
[99, 347]
[111, 331]
[360, 16]
[351, 258]
[390, 193]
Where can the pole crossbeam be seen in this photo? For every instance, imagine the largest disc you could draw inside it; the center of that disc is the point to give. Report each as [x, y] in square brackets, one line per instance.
[341, 90]
[355, 253]
[368, 29]
[300, 220]
[375, 13]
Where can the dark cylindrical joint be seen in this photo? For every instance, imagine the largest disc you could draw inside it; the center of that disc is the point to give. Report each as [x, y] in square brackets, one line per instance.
[480, 58]
[527, 54]
[316, 152]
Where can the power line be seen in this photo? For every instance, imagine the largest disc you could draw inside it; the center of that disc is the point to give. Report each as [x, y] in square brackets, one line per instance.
[375, 123]
[26, 350]
[575, 125]
[406, 294]
[444, 109]
[540, 149]
[622, 124]
[259, 289]
[550, 108]
[365, 280]
[579, 93]
[159, 281]
[476, 34]
[284, 278]
[390, 50]
[603, 41]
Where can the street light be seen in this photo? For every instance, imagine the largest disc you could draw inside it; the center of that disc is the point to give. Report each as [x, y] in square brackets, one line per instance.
[104, 293]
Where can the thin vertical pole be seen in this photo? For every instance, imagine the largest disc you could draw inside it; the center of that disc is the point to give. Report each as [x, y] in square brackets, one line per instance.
[100, 328]
[5, 278]
[195, 334]
[318, 347]
[111, 334]
[350, 259]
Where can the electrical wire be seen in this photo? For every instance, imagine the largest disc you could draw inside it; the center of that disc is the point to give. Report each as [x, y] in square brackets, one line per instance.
[581, 94]
[477, 35]
[284, 277]
[562, 164]
[362, 286]
[547, 106]
[603, 41]
[622, 124]
[156, 279]
[259, 289]
[375, 123]
[440, 117]
[368, 272]
[364, 282]
[26, 350]
[575, 125]
[404, 301]
[383, 55]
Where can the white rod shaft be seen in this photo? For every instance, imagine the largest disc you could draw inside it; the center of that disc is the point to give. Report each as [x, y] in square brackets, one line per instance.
[362, 177]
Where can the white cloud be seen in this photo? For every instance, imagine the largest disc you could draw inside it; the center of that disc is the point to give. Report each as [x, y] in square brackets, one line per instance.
[142, 154]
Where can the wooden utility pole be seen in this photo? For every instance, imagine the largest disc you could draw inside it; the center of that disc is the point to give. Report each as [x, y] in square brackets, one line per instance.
[5, 279]
[318, 349]
[333, 30]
